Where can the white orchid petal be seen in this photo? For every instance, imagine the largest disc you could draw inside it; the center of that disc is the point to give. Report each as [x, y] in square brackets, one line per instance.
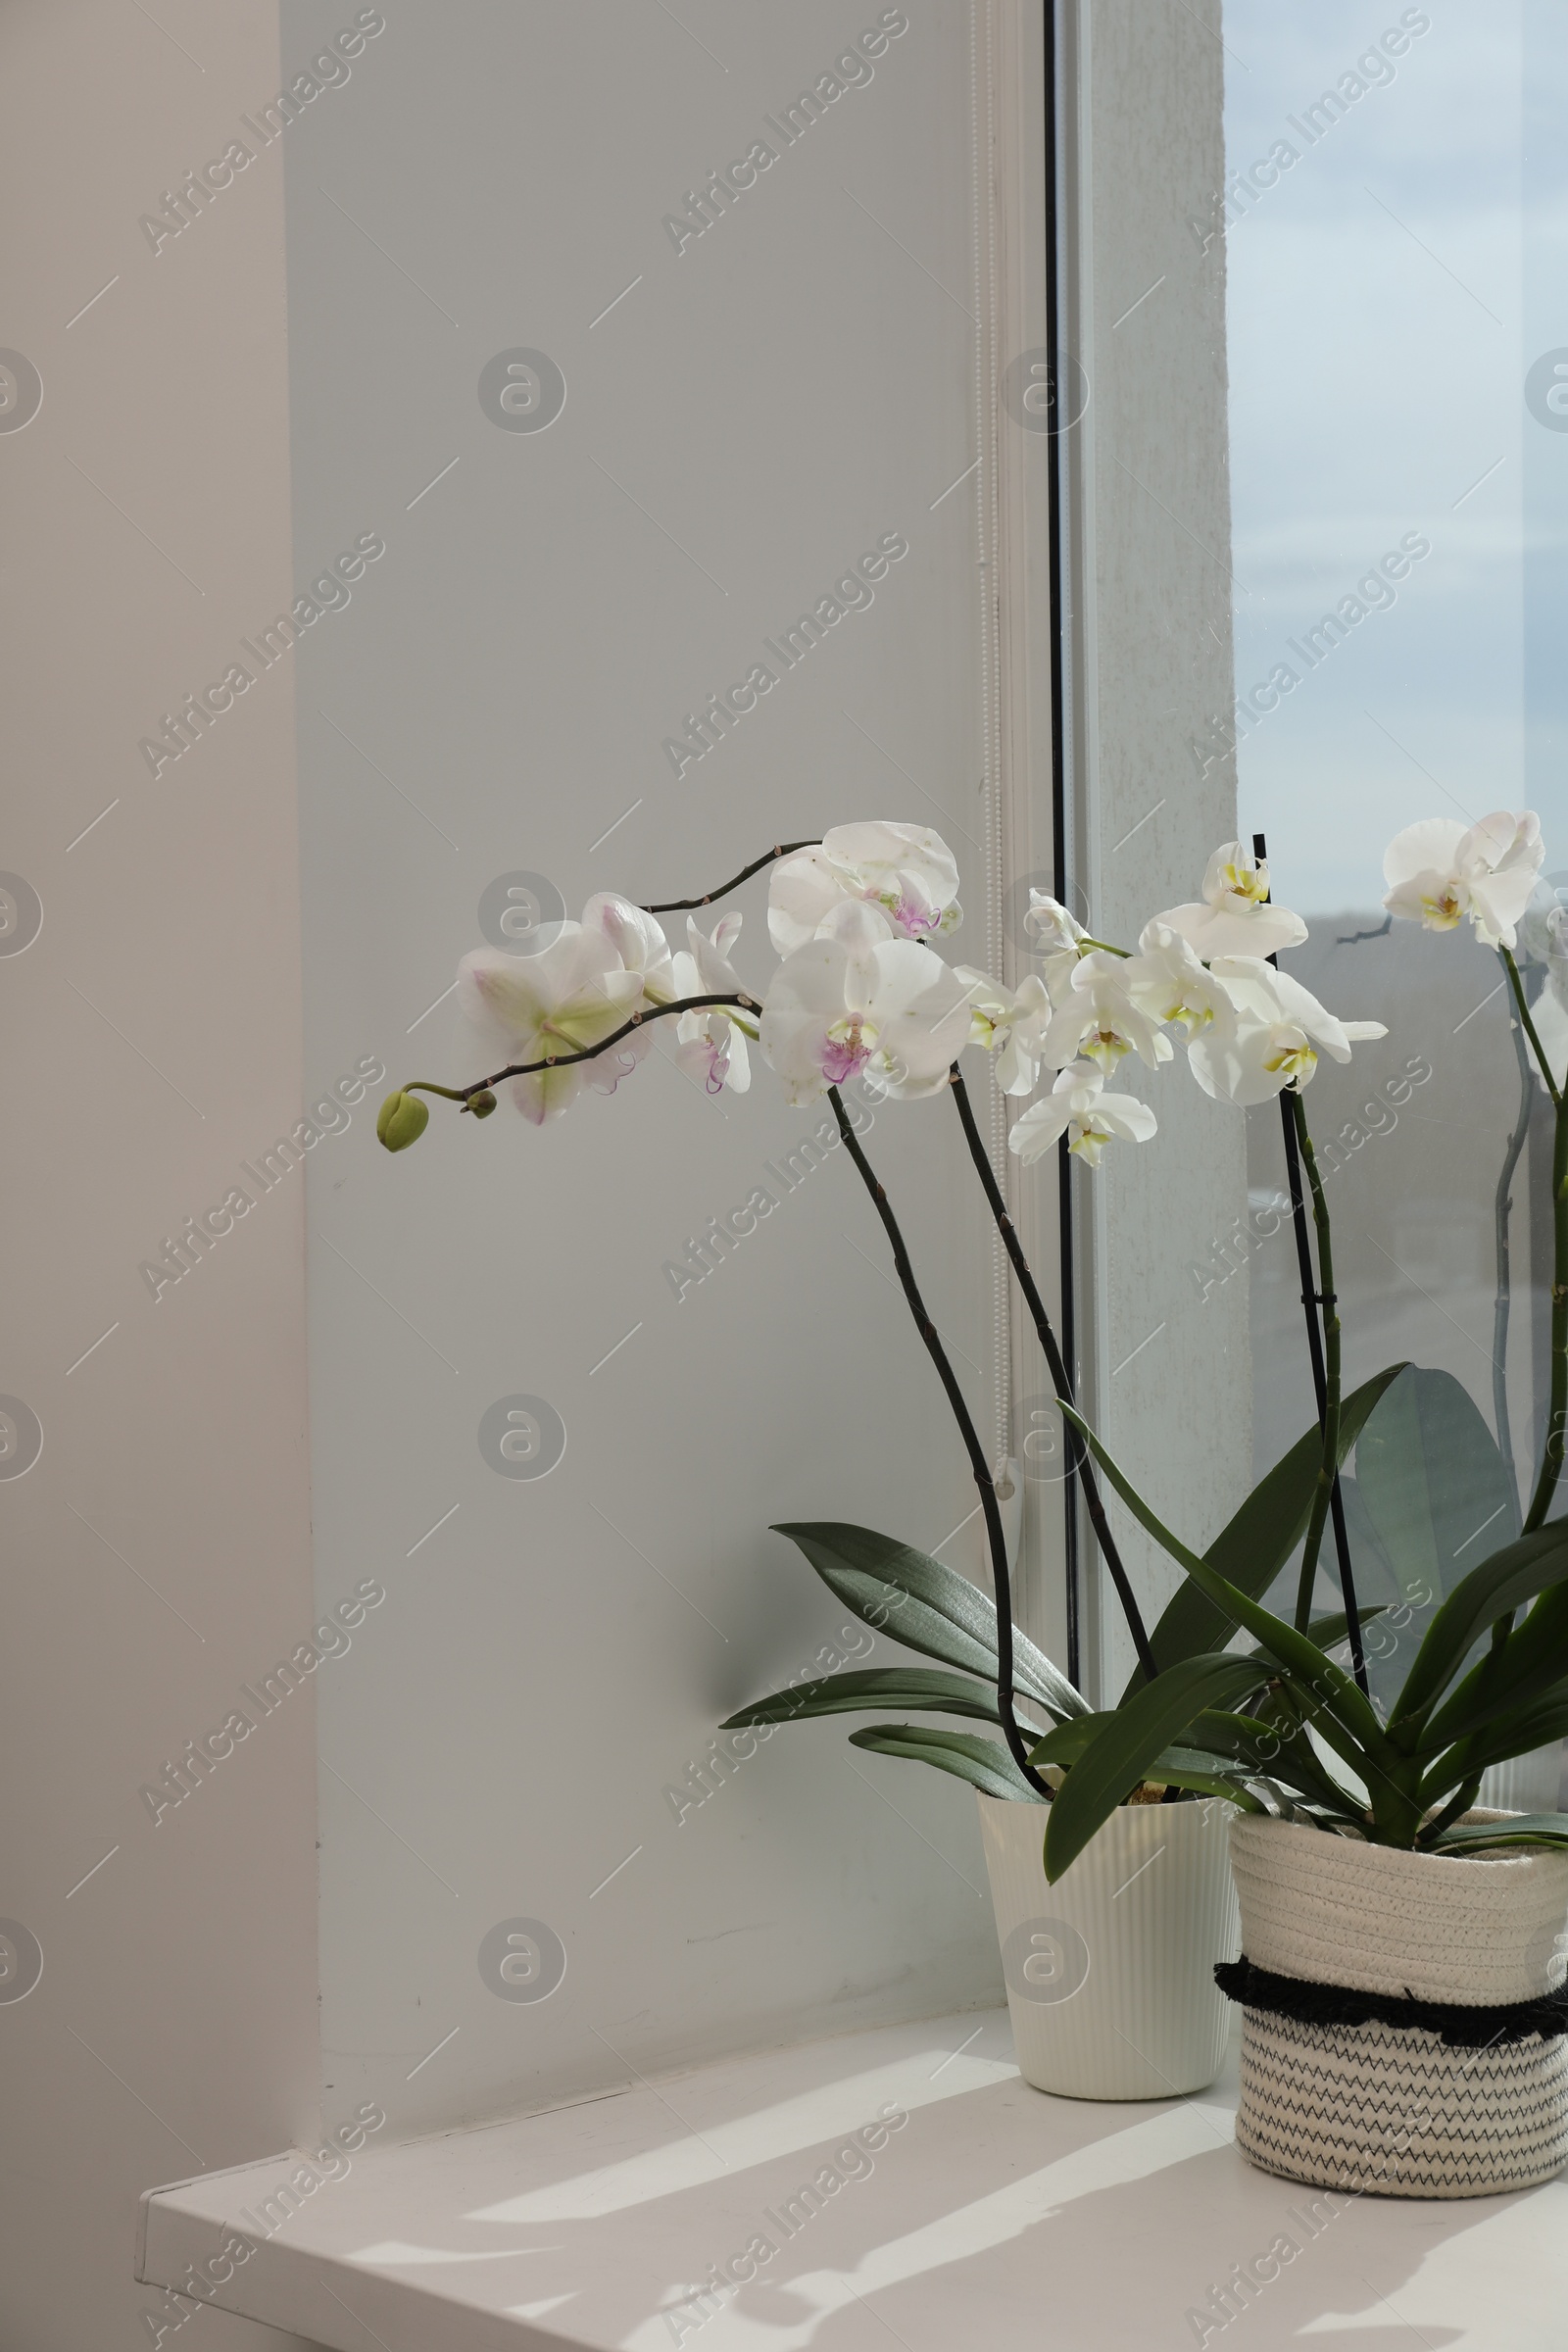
[1264, 930]
[637, 938]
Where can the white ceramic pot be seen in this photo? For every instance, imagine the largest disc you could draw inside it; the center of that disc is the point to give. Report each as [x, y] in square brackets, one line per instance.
[1385, 2103]
[1110, 1973]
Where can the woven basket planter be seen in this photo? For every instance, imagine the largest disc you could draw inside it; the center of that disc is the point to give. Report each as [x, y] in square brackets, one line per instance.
[1402, 2018]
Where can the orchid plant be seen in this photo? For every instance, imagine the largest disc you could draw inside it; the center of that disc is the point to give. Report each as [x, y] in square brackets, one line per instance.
[861, 993]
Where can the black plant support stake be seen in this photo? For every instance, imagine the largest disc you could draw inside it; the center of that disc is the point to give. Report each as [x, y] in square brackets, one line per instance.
[1313, 1301]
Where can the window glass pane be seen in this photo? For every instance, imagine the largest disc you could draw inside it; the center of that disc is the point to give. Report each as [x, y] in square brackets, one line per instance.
[1393, 228]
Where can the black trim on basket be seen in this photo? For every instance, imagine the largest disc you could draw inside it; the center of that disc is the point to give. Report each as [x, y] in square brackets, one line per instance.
[1455, 2023]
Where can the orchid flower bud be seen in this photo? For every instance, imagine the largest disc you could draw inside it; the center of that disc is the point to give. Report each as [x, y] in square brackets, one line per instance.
[401, 1120]
[482, 1103]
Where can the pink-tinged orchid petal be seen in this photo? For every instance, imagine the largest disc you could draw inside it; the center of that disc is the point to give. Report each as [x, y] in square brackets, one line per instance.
[712, 1044]
[854, 1002]
[907, 871]
[638, 939]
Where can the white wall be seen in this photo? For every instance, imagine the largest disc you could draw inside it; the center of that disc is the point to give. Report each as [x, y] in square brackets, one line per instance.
[761, 407]
[552, 1659]
[157, 1556]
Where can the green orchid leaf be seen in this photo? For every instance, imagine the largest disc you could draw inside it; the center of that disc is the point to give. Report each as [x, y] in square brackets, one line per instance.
[983, 1763]
[1253, 1547]
[1247, 1737]
[1521, 1829]
[921, 1687]
[1432, 1482]
[1203, 1774]
[1344, 1715]
[1328, 1632]
[914, 1599]
[1429, 1499]
[1532, 1657]
[1324, 1633]
[1496, 1588]
[1123, 1751]
[1374, 1569]
[1541, 1722]
[1195, 1768]
[1536, 1725]
[1066, 1743]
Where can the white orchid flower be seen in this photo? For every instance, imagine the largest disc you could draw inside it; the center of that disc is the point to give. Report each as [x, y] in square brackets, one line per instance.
[907, 870]
[1078, 1107]
[1438, 872]
[572, 995]
[638, 939]
[1279, 1027]
[854, 1000]
[712, 1044]
[1011, 1026]
[1167, 980]
[1235, 916]
[1058, 939]
[1098, 1019]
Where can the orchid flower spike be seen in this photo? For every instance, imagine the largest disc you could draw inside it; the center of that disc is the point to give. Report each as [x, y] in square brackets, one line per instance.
[1235, 916]
[1278, 1028]
[1438, 872]
[855, 999]
[712, 1043]
[1011, 1026]
[907, 871]
[1078, 1107]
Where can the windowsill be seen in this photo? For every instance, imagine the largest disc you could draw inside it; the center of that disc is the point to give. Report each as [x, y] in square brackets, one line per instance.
[991, 2213]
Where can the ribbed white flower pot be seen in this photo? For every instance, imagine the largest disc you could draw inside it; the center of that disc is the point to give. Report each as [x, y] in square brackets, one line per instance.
[1386, 2104]
[1110, 1973]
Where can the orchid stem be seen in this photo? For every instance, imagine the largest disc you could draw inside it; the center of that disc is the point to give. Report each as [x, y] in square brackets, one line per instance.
[1326, 1496]
[1502, 1208]
[1079, 1458]
[1017, 1743]
[1529, 1027]
[784, 849]
[1557, 1408]
[564, 1061]
[1298, 1146]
